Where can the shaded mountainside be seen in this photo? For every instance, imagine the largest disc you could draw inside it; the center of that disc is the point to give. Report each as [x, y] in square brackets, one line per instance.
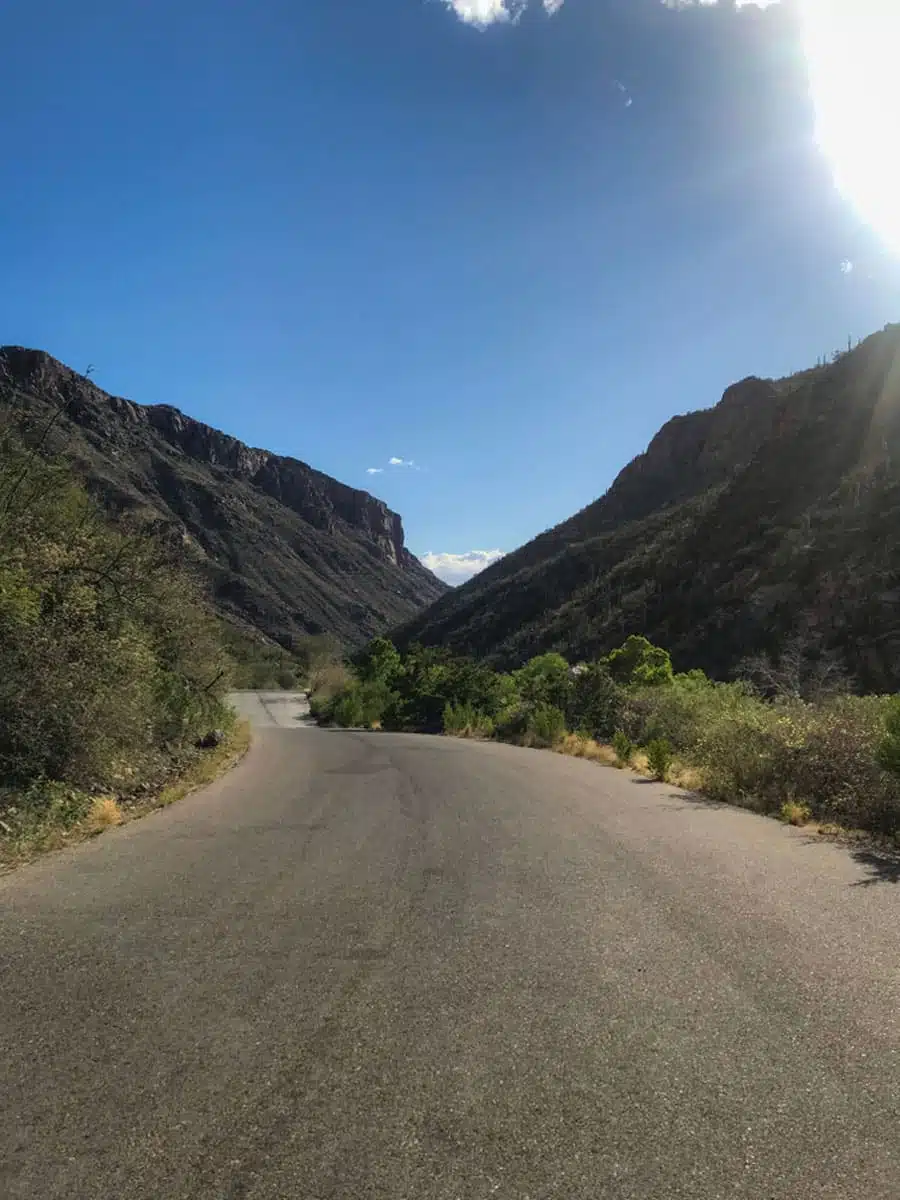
[774, 515]
[288, 551]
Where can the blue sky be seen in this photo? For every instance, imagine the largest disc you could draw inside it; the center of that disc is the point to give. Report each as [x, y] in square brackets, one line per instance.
[498, 245]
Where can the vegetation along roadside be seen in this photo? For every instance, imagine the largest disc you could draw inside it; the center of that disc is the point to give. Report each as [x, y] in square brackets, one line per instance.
[113, 671]
[782, 739]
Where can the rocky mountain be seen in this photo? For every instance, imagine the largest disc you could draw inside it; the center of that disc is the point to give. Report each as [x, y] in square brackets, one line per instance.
[288, 551]
[773, 516]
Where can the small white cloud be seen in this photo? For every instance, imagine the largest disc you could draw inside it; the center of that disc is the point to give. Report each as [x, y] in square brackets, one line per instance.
[482, 13]
[625, 93]
[374, 470]
[403, 462]
[846, 267]
[457, 568]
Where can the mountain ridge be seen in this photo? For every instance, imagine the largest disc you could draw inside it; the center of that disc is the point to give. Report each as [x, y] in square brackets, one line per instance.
[339, 547]
[741, 525]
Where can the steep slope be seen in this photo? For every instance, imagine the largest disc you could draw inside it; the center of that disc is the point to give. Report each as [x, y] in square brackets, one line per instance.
[289, 551]
[772, 515]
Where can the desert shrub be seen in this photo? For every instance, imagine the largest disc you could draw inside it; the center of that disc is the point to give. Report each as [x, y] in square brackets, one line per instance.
[624, 747]
[659, 757]
[835, 766]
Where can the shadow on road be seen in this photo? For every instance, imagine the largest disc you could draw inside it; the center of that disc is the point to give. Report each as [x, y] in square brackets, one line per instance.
[883, 865]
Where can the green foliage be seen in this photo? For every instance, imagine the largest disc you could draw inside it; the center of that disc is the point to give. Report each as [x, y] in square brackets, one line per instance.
[624, 747]
[595, 701]
[361, 704]
[545, 679]
[545, 726]
[462, 720]
[111, 665]
[379, 662]
[887, 753]
[638, 663]
[659, 757]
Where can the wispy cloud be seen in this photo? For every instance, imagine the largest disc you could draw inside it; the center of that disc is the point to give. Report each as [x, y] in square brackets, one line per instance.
[404, 462]
[482, 13]
[457, 568]
[846, 267]
[374, 470]
[629, 100]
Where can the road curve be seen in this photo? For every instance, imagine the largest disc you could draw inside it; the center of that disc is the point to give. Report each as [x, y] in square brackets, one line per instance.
[382, 966]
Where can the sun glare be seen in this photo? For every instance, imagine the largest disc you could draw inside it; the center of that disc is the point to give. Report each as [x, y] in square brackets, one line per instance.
[853, 51]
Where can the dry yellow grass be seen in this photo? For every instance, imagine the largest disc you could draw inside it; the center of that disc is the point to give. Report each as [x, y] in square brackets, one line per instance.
[105, 813]
[576, 746]
[685, 776]
[793, 813]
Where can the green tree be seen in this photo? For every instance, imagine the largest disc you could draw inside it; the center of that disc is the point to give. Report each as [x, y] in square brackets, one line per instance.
[595, 701]
[379, 662]
[638, 663]
[545, 679]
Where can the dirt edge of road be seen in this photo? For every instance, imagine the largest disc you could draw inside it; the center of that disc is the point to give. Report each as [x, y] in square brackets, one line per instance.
[110, 812]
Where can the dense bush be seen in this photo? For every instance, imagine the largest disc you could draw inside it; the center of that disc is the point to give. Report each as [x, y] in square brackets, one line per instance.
[594, 701]
[111, 665]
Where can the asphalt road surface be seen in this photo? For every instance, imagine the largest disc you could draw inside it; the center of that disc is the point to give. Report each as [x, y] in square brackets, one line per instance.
[382, 966]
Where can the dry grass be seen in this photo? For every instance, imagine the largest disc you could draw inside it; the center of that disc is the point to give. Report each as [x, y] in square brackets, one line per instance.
[793, 813]
[104, 814]
[685, 776]
[576, 746]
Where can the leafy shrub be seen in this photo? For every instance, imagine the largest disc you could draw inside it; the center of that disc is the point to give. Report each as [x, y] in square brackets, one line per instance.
[659, 757]
[359, 705]
[545, 725]
[462, 720]
[624, 747]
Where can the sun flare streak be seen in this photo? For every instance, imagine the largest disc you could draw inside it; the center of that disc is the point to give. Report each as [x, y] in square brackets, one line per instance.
[852, 50]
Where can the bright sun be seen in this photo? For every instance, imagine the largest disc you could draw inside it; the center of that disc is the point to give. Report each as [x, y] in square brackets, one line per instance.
[853, 52]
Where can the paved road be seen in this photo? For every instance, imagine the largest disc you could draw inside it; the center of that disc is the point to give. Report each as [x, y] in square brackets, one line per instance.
[283, 710]
[380, 966]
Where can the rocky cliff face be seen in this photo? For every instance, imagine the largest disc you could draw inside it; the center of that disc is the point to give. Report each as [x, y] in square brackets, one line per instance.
[769, 516]
[288, 549]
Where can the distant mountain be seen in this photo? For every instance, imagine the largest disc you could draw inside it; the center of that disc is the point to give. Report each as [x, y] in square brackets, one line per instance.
[288, 551]
[774, 515]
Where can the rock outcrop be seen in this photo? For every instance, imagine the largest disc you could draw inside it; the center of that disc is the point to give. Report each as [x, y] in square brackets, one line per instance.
[289, 550]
